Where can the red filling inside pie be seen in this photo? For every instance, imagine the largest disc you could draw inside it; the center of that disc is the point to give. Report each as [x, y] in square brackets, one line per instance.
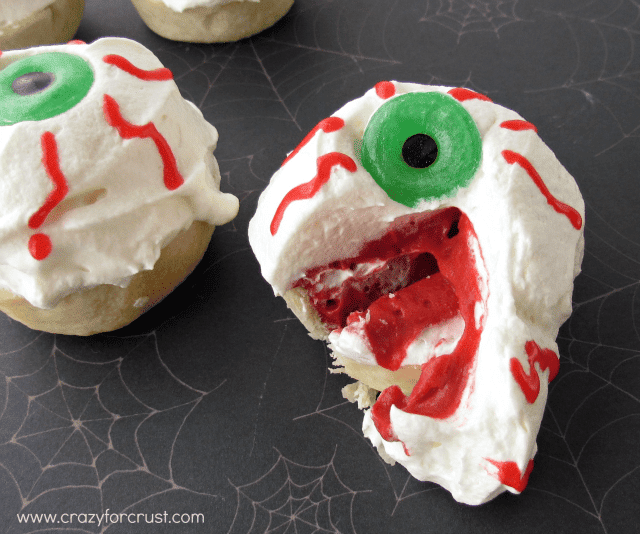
[422, 272]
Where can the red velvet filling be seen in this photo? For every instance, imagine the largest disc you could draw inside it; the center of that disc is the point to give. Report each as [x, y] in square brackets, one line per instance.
[394, 322]
[423, 271]
[402, 256]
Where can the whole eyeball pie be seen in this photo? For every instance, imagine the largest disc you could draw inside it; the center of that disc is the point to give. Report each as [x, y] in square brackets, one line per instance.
[210, 21]
[26, 23]
[110, 190]
[432, 239]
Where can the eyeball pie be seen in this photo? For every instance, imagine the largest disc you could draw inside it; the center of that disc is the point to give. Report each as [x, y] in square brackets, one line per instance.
[110, 191]
[432, 238]
[210, 21]
[25, 23]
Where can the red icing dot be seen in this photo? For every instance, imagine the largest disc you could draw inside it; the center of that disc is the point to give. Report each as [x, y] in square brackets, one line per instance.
[76, 42]
[328, 125]
[325, 164]
[161, 74]
[172, 177]
[518, 125]
[461, 94]
[509, 474]
[385, 89]
[530, 383]
[40, 246]
[562, 208]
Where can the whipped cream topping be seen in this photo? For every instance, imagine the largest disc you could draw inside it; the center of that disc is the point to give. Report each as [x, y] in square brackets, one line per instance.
[182, 5]
[91, 194]
[351, 342]
[15, 10]
[508, 272]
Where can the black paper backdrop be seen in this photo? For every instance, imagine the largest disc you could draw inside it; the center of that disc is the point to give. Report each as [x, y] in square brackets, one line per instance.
[217, 402]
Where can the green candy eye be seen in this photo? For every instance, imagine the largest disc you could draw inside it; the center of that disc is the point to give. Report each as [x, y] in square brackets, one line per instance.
[42, 86]
[421, 146]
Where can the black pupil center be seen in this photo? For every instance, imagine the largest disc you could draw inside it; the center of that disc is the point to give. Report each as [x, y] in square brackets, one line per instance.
[32, 83]
[419, 151]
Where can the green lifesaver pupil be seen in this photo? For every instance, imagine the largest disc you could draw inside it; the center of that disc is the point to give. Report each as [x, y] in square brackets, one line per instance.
[421, 146]
[420, 151]
[32, 83]
[43, 85]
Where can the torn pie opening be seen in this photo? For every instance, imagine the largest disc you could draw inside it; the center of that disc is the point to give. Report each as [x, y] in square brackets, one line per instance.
[391, 309]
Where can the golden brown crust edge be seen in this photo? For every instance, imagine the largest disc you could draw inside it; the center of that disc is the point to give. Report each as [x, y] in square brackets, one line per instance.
[107, 307]
[377, 378]
[217, 24]
[56, 23]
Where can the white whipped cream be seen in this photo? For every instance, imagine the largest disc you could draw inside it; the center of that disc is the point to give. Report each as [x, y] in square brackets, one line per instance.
[118, 214]
[351, 342]
[531, 254]
[15, 10]
[182, 5]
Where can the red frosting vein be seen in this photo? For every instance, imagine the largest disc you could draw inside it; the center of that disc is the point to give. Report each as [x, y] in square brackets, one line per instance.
[518, 125]
[328, 125]
[562, 208]
[509, 474]
[325, 164]
[161, 74]
[51, 164]
[172, 177]
[461, 94]
[530, 383]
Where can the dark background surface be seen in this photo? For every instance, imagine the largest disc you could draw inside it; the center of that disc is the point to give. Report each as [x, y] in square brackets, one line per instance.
[217, 401]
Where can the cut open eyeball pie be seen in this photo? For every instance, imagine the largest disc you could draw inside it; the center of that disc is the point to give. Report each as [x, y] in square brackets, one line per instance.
[26, 23]
[432, 238]
[110, 191]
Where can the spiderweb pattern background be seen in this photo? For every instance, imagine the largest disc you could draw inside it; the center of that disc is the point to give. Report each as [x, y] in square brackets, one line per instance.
[217, 402]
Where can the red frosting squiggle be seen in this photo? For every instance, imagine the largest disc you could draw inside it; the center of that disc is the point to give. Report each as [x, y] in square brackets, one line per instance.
[518, 125]
[562, 208]
[172, 177]
[328, 125]
[530, 383]
[51, 164]
[161, 74]
[509, 474]
[40, 244]
[461, 94]
[325, 164]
